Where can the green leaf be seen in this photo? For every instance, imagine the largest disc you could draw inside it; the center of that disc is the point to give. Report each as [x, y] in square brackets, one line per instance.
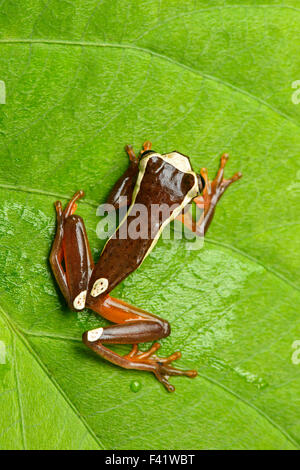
[83, 79]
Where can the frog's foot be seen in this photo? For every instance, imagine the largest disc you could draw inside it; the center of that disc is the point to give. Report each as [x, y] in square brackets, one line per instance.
[160, 366]
[146, 146]
[132, 157]
[207, 201]
[214, 189]
[70, 207]
[212, 193]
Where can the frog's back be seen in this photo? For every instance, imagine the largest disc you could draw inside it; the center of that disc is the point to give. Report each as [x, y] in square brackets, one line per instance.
[165, 184]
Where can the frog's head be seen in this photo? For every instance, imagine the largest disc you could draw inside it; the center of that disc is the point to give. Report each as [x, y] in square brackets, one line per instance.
[183, 163]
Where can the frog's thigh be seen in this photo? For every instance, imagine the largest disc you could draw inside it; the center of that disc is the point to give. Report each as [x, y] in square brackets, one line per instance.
[77, 260]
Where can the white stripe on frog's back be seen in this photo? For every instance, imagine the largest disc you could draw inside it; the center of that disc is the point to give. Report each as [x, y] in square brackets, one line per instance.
[178, 160]
[181, 163]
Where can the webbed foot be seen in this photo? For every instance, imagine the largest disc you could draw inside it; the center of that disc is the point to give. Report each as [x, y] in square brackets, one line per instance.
[214, 189]
[132, 157]
[160, 366]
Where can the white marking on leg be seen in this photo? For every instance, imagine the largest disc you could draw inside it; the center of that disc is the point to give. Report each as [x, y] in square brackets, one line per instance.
[93, 335]
[79, 301]
[99, 286]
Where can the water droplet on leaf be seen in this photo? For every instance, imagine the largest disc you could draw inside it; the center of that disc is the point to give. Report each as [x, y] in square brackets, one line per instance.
[135, 386]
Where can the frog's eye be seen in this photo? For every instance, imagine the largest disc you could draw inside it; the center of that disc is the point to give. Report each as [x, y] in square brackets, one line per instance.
[201, 183]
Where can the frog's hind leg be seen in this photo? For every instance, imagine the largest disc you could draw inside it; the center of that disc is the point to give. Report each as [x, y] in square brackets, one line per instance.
[134, 326]
[70, 256]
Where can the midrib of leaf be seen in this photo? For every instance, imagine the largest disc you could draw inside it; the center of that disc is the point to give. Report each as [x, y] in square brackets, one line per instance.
[142, 50]
[25, 189]
[16, 331]
[254, 260]
[207, 240]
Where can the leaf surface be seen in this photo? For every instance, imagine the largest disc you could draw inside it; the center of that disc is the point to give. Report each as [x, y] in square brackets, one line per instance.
[82, 80]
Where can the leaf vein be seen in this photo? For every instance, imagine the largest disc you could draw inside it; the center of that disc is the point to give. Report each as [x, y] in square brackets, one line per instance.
[13, 327]
[19, 396]
[62, 42]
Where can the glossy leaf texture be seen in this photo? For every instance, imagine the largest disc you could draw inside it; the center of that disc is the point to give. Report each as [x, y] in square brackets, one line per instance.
[83, 79]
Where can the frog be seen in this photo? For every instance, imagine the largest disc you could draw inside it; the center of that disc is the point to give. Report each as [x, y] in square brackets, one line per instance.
[151, 179]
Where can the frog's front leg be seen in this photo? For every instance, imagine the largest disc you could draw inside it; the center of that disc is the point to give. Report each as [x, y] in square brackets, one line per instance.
[207, 201]
[70, 256]
[133, 326]
[121, 193]
[214, 190]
